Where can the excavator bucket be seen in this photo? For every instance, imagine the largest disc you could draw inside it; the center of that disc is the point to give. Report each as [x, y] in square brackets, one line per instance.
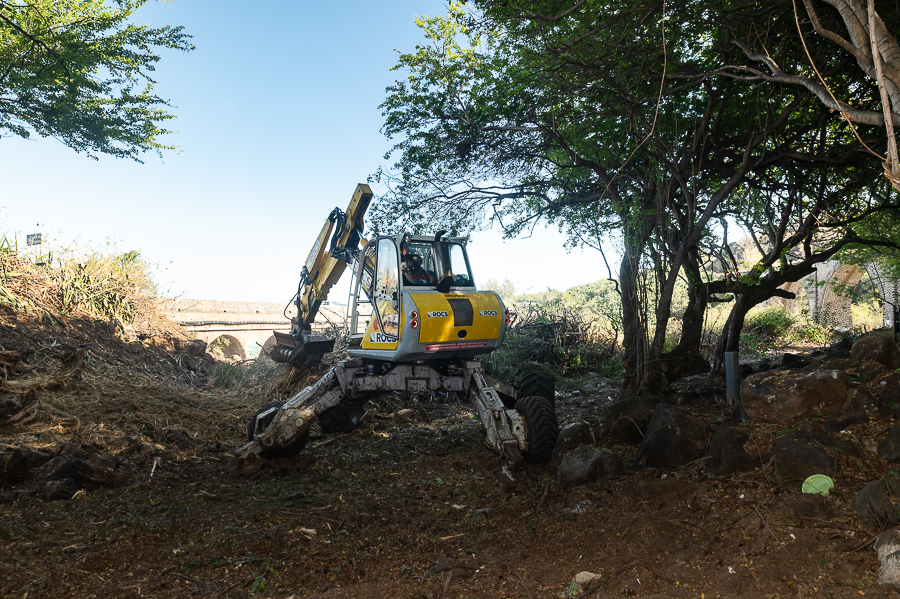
[300, 354]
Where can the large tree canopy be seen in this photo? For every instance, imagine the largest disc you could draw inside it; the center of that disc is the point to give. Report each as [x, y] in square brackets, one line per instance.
[648, 123]
[80, 71]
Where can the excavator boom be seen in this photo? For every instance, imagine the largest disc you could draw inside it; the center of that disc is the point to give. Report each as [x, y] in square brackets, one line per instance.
[323, 268]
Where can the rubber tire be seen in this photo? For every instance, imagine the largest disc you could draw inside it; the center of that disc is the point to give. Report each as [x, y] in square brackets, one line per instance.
[543, 429]
[291, 450]
[342, 418]
[538, 383]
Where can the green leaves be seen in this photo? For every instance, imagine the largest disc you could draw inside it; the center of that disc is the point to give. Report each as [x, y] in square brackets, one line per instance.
[80, 71]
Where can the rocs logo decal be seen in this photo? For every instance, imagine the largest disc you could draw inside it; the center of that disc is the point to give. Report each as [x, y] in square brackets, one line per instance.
[487, 313]
[381, 338]
[438, 314]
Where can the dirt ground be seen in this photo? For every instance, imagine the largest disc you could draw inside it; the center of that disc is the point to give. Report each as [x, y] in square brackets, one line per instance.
[406, 506]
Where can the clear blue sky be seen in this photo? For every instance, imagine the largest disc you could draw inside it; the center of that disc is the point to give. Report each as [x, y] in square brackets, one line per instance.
[278, 120]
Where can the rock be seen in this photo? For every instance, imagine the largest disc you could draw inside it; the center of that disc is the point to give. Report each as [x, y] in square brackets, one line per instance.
[889, 448]
[808, 505]
[861, 400]
[887, 546]
[794, 361]
[58, 468]
[124, 445]
[672, 439]
[727, 454]
[178, 439]
[457, 568]
[585, 578]
[10, 405]
[887, 388]
[21, 462]
[196, 348]
[570, 437]
[841, 419]
[627, 419]
[586, 464]
[877, 347]
[874, 503]
[788, 398]
[64, 488]
[841, 345]
[799, 455]
[97, 472]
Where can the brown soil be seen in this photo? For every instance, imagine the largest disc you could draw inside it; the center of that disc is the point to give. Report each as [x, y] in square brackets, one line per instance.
[406, 506]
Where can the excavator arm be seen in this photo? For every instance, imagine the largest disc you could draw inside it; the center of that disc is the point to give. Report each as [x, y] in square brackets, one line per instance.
[323, 268]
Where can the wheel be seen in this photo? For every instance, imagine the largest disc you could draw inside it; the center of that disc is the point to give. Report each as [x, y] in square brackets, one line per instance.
[342, 418]
[284, 452]
[538, 383]
[540, 418]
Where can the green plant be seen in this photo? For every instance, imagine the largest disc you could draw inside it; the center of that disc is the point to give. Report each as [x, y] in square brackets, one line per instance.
[772, 321]
[226, 375]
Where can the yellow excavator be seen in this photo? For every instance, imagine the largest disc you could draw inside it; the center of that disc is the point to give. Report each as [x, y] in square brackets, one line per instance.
[416, 324]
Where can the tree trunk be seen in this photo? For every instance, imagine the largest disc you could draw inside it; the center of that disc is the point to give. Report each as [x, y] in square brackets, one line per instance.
[686, 358]
[634, 330]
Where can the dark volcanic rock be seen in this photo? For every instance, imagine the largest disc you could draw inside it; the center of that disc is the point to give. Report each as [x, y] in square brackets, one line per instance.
[727, 454]
[58, 468]
[570, 437]
[794, 361]
[585, 464]
[887, 388]
[889, 448]
[672, 439]
[875, 503]
[841, 419]
[64, 488]
[879, 348]
[626, 420]
[20, 462]
[125, 445]
[788, 398]
[800, 454]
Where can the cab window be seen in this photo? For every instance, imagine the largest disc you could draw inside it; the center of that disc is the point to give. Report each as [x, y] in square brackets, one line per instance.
[387, 286]
[462, 277]
[417, 264]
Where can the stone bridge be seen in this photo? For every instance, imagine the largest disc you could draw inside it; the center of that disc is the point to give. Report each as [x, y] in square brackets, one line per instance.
[829, 292]
[242, 329]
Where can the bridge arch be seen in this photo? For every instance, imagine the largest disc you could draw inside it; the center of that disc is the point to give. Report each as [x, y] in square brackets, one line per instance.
[230, 346]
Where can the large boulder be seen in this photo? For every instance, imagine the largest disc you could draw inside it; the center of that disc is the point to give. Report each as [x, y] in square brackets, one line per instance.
[570, 437]
[627, 419]
[727, 454]
[585, 464]
[788, 398]
[889, 448]
[800, 454]
[875, 503]
[878, 347]
[887, 388]
[673, 439]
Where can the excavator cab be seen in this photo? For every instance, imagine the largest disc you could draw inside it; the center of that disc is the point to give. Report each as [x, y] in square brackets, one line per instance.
[413, 298]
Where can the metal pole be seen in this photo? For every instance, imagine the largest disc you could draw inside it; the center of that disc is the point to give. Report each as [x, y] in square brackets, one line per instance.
[732, 377]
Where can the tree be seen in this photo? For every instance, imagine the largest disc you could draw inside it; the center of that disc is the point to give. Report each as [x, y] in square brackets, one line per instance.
[80, 71]
[637, 122]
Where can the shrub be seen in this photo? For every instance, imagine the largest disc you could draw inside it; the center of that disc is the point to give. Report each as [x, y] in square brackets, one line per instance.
[555, 333]
[773, 322]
